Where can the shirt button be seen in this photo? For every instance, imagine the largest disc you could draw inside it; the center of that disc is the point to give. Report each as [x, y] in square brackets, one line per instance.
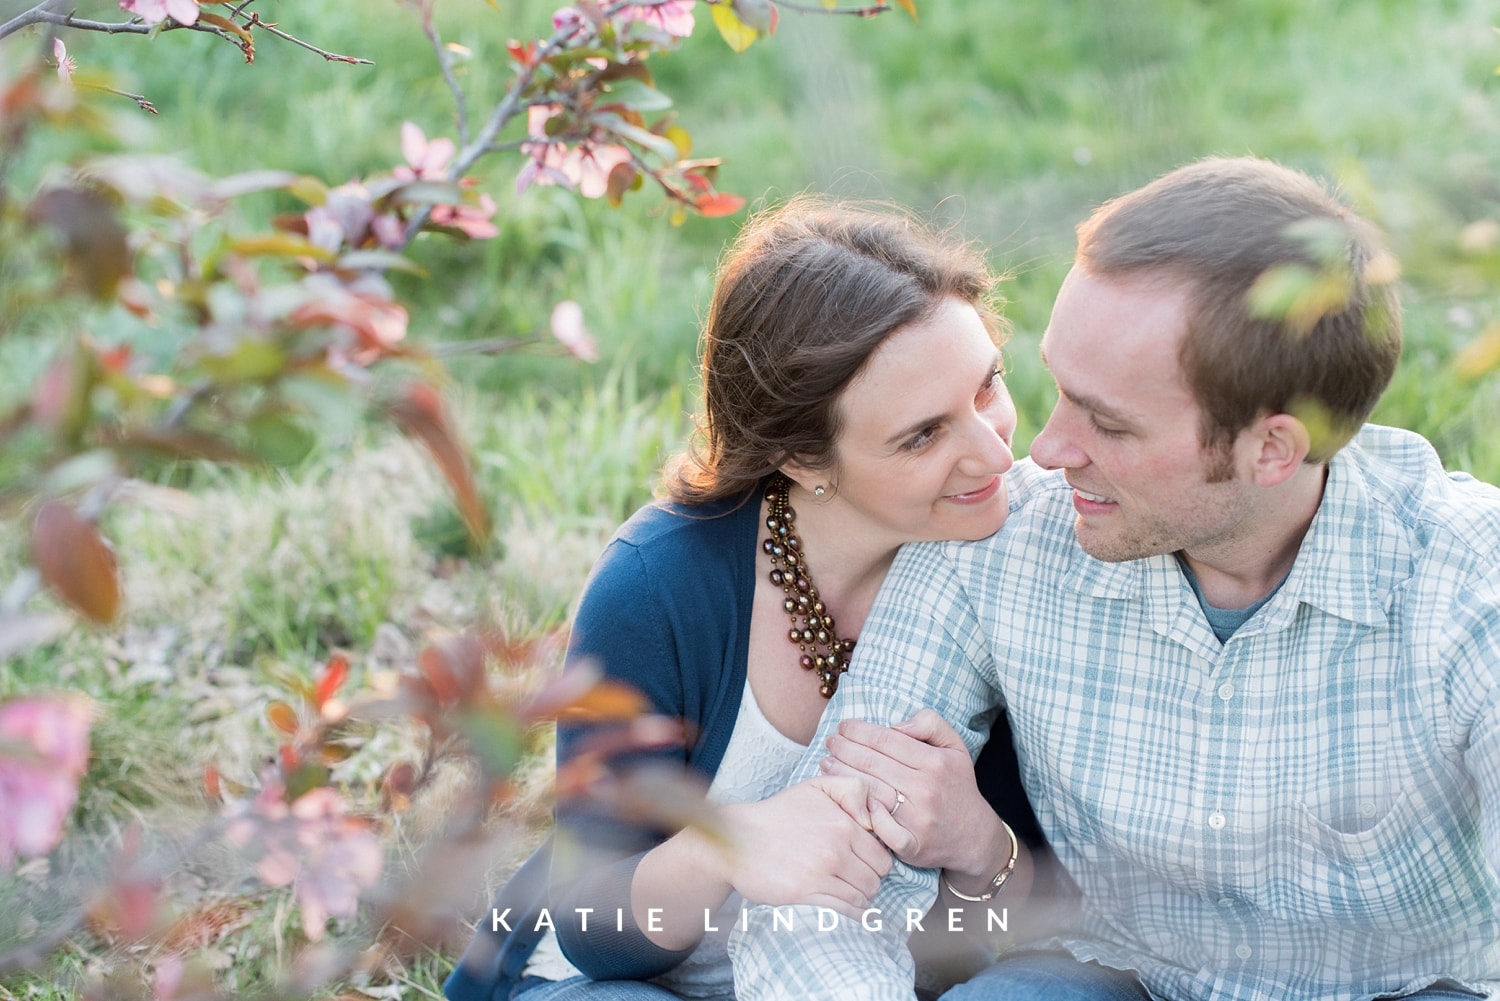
[1242, 951]
[1367, 809]
[1226, 902]
[1226, 691]
[1216, 820]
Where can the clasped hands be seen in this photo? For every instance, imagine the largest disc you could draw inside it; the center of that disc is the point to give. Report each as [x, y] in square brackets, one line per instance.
[906, 790]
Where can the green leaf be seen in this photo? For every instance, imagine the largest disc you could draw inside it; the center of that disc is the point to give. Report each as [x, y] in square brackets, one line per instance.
[279, 439]
[637, 95]
[253, 181]
[250, 360]
[496, 739]
[1298, 297]
[379, 260]
[421, 193]
[645, 138]
[304, 779]
[277, 245]
[309, 190]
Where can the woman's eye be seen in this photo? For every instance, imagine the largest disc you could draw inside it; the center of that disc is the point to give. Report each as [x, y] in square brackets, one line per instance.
[920, 440]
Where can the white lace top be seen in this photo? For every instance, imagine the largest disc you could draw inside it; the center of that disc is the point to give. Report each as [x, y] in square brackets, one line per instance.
[757, 764]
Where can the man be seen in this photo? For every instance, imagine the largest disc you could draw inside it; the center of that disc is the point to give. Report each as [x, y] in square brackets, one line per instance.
[1250, 648]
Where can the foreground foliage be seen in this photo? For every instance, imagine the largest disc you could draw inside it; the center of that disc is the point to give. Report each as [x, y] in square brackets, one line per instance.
[177, 339]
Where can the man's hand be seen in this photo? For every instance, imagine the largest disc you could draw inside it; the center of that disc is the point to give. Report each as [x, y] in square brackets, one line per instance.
[923, 759]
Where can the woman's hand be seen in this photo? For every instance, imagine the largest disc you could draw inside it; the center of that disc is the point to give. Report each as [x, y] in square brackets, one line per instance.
[808, 844]
[924, 802]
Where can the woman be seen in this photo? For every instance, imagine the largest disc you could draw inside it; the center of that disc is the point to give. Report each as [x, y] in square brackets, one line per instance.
[852, 402]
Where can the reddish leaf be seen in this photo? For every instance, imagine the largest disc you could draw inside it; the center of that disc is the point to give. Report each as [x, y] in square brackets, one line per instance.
[453, 667]
[206, 924]
[175, 442]
[76, 561]
[283, 718]
[114, 359]
[622, 177]
[247, 42]
[331, 680]
[524, 55]
[93, 237]
[211, 784]
[578, 693]
[605, 701]
[715, 205]
[397, 786]
[421, 414]
[61, 401]
[333, 752]
[910, 6]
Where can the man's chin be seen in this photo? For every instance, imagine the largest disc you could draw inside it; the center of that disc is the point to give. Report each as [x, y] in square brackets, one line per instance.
[1105, 549]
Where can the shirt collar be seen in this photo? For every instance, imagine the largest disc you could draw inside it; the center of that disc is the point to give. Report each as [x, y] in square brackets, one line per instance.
[1335, 570]
[1337, 567]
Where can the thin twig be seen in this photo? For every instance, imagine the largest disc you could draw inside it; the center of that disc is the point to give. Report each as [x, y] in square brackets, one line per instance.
[874, 10]
[333, 57]
[488, 346]
[40, 15]
[460, 100]
[139, 99]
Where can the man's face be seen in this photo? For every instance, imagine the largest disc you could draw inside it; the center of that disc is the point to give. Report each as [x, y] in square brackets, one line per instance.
[1125, 428]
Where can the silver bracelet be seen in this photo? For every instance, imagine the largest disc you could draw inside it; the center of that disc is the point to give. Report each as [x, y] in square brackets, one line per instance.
[1000, 877]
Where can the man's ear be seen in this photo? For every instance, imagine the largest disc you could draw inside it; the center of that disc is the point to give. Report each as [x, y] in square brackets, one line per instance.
[1281, 444]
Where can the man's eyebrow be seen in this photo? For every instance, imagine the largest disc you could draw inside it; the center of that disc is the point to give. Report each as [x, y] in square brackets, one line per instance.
[1092, 404]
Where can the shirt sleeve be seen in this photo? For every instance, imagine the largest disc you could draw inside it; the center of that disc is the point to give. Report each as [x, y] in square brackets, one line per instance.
[922, 646]
[1474, 697]
[621, 626]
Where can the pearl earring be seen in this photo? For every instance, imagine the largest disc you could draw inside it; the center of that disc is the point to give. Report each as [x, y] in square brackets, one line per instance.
[819, 490]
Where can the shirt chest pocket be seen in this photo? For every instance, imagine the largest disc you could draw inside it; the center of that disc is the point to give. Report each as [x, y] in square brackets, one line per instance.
[1395, 874]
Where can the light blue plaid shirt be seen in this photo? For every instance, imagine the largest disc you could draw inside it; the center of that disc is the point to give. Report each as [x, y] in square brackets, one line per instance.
[1309, 810]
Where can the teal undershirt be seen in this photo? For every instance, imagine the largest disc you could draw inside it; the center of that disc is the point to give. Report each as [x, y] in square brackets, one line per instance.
[1223, 621]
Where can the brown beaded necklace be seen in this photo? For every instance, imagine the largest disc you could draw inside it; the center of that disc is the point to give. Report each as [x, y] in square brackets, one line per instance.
[812, 627]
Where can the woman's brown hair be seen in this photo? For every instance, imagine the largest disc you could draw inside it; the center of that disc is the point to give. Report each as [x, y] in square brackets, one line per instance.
[804, 296]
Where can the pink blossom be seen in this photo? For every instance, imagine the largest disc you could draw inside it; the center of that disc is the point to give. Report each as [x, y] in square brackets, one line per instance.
[66, 64]
[327, 856]
[675, 17]
[567, 19]
[568, 328]
[168, 979]
[156, 11]
[473, 220]
[427, 161]
[585, 166]
[347, 218]
[43, 753]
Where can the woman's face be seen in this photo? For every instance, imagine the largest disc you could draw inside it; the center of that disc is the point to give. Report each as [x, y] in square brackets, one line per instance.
[927, 425]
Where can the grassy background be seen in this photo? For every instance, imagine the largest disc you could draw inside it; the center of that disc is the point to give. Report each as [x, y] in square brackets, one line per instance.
[1010, 120]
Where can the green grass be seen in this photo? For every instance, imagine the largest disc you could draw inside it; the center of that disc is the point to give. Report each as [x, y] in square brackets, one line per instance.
[1010, 121]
